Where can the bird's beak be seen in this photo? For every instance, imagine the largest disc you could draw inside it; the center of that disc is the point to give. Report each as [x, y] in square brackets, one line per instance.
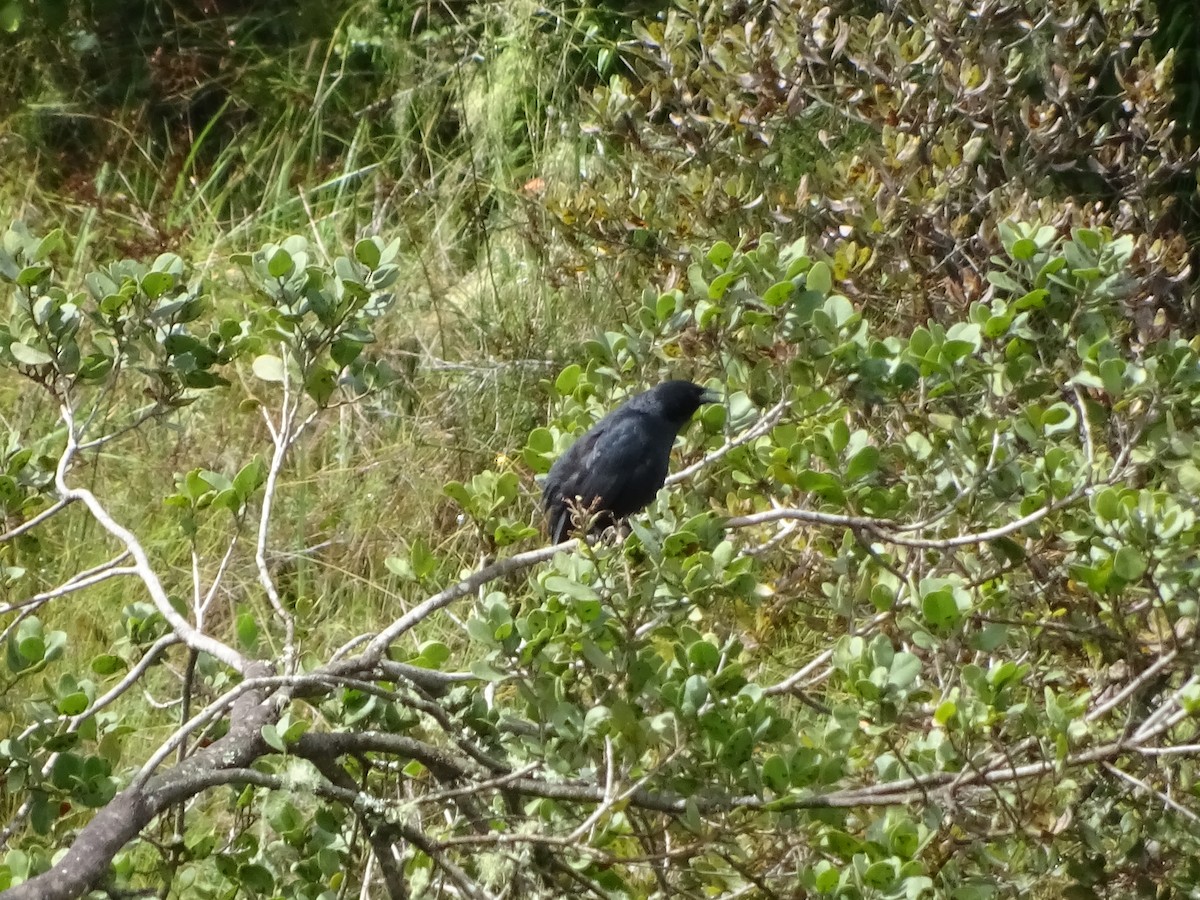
[710, 396]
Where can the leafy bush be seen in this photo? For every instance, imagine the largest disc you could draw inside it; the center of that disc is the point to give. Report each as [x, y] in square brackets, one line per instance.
[899, 138]
[917, 617]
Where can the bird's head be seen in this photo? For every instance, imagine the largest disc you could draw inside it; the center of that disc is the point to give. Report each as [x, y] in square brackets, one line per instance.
[677, 401]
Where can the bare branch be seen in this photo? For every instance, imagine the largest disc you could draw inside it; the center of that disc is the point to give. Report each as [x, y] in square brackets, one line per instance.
[143, 416]
[158, 595]
[283, 436]
[30, 524]
[810, 517]
[789, 683]
[1167, 801]
[1162, 718]
[1132, 687]
[393, 874]
[378, 646]
[765, 423]
[76, 582]
[203, 603]
[87, 860]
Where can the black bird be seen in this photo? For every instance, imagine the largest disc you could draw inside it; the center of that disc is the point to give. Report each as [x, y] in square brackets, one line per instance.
[618, 466]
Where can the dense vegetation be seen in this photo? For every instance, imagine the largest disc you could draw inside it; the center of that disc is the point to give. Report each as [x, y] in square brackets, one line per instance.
[298, 303]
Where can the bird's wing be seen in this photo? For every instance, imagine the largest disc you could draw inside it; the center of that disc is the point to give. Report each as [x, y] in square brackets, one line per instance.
[622, 461]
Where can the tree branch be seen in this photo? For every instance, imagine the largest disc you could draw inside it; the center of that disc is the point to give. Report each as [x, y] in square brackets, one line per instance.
[86, 862]
[189, 635]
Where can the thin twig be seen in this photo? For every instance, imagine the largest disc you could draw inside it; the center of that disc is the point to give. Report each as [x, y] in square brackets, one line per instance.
[158, 595]
[1142, 786]
[30, 524]
[764, 424]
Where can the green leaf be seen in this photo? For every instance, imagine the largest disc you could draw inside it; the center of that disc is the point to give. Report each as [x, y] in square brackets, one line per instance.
[423, 562]
[480, 631]
[31, 275]
[1059, 418]
[49, 245]
[819, 278]
[15, 661]
[821, 483]
[695, 693]
[268, 367]
[43, 812]
[257, 880]
[72, 704]
[280, 263]
[775, 774]
[720, 284]
[940, 609]
[367, 252]
[295, 731]
[345, 351]
[1129, 564]
[703, 656]
[596, 657]
[434, 654]
[904, 670]
[665, 306]
[202, 380]
[1024, 249]
[597, 720]
[457, 491]
[541, 441]
[29, 356]
[107, 664]
[320, 385]
[32, 648]
[1035, 299]
[588, 610]
[997, 326]
[1004, 282]
[945, 712]
[11, 16]
[1106, 504]
[250, 477]
[271, 735]
[880, 875]
[827, 877]
[737, 750]
[66, 770]
[962, 339]
[1112, 374]
[778, 293]
[567, 379]
[215, 480]
[1087, 237]
[484, 671]
[155, 284]
[839, 309]
[720, 254]
[247, 630]
[56, 643]
[559, 585]
[865, 462]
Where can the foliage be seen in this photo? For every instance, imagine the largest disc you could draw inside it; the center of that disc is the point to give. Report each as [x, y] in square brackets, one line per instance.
[516, 145]
[920, 620]
[898, 137]
[917, 613]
